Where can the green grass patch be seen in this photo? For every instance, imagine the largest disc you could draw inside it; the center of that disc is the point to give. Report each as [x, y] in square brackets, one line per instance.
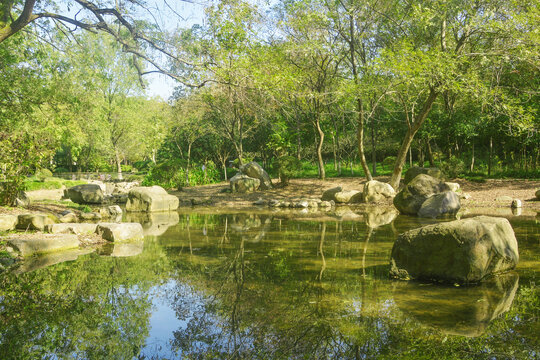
[50, 183]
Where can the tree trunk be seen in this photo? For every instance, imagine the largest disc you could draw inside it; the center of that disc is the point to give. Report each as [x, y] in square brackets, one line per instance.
[322, 172]
[410, 156]
[118, 163]
[224, 170]
[373, 149]
[26, 16]
[430, 154]
[334, 150]
[490, 154]
[360, 138]
[472, 157]
[188, 163]
[411, 131]
[420, 155]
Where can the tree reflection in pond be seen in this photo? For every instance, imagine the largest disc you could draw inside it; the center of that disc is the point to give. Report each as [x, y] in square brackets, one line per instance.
[264, 286]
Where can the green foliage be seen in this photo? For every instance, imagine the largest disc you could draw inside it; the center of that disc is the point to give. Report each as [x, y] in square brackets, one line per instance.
[43, 174]
[288, 166]
[389, 161]
[453, 167]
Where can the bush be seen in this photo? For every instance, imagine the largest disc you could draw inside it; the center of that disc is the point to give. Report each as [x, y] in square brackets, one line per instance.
[43, 174]
[143, 165]
[126, 168]
[59, 170]
[288, 166]
[389, 161]
[171, 175]
[453, 167]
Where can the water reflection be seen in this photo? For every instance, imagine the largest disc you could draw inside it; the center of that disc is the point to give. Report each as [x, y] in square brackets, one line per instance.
[264, 286]
[463, 311]
[154, 223]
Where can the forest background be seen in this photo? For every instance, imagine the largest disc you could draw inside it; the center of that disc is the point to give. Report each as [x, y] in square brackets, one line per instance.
[306, 88]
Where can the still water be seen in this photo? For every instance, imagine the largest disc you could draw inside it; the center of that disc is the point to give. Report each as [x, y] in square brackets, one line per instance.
[264, 286]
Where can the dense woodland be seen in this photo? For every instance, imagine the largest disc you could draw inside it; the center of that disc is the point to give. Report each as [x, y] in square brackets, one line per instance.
[340, 87]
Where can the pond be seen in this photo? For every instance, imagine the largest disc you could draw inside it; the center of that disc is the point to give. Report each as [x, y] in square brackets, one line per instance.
[265, 286]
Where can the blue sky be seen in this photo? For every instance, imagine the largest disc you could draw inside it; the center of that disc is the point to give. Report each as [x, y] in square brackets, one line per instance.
[169, 10]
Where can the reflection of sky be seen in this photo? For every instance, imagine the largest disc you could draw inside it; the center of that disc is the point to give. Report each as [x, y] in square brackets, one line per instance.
[163, 322]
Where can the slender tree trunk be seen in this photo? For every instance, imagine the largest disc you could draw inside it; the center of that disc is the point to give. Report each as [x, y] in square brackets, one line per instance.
[188, 163]
[431, 159]
[360, 138]
[118, 164]
[334, 150]
[472, 157]
[322, 172]
[411, 131]
[410, 156]
[490, 154]
[373, 149]
[298, 140]
[224, 170]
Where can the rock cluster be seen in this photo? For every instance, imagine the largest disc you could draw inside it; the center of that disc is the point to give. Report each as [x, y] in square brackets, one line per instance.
[252, 177]
[427, 196]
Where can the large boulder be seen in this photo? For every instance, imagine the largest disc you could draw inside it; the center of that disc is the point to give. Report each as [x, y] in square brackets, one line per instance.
[30, 244]
[8, 222]
[33, 222]
[445, 203]
[120, 231]
[85, 194]
[463, 251]
[349, 197]
[410, 199]
[254, 170]
[376, 191]
[329, 195]
[153, 198]
[416, 170]
[340, 196]
[73, 228]
[241, 183]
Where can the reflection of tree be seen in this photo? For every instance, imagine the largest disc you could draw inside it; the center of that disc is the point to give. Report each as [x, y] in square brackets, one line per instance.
[271, 300]
[94, 308]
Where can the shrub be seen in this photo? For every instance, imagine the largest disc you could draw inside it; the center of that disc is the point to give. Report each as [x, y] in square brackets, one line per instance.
[43, 174]
[288, 166]
[389, 161]
[453, 167]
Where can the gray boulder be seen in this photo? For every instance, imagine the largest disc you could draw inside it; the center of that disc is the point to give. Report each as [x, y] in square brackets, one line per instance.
[463, 251]
[241, 183]
[73, 228]
[254, 170]
[85, 194]
[329, 195]
[410, 199]
[149, 199]
[68, 217]
[30, 244]
[416, 170]
[340, 196]
[376, 191]
[120, 232]
[349, 197]
[453, 186]
[445, 203]
[8, 222]
[91, 216]
[516, 204]
[33, 222]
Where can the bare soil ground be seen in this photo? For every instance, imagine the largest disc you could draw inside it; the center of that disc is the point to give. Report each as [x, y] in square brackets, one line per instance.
[483, 195]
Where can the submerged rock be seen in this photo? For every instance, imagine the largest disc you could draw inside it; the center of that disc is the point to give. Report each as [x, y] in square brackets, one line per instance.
[464, 310]
[463, 251]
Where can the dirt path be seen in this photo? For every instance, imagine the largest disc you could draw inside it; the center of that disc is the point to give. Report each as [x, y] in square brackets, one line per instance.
[483, 195]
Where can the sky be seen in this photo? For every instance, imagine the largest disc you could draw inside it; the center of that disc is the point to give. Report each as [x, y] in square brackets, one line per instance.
[191, 13]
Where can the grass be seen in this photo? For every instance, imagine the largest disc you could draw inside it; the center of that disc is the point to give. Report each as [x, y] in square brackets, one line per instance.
[50, 183]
